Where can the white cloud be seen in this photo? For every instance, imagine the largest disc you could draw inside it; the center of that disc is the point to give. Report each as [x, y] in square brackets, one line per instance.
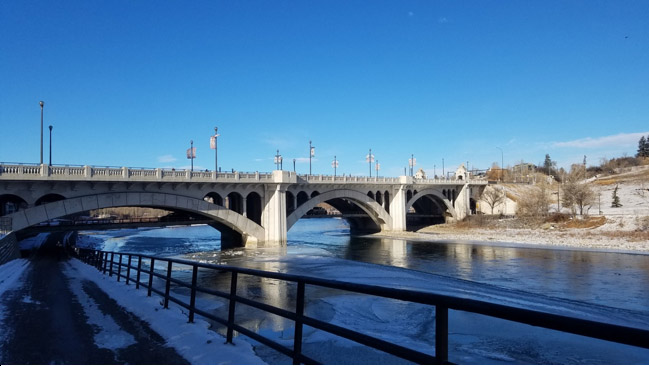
[619, 140]
[442, 20]
[166, 159]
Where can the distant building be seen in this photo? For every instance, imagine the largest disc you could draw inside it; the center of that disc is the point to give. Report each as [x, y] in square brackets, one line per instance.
[523, 168]
[421, 174]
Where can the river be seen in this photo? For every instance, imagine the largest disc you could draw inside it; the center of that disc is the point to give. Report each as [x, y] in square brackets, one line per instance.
[590, 282]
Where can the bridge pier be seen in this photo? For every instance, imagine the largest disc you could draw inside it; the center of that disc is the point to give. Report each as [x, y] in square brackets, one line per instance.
[398, 209]
[274, 215]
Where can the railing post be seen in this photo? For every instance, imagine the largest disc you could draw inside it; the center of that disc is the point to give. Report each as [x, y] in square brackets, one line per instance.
[151, 270]
[233, 294]
[119, 268]
[139, 270]
[168, 285]
[128, 270]
[105, 256]
[441, 334]
[192, 299]
[110, 271]
[299, 312]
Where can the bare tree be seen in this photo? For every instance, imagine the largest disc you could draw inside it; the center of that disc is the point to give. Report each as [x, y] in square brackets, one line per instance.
[577, 193]
[537, 202]
[493, 197]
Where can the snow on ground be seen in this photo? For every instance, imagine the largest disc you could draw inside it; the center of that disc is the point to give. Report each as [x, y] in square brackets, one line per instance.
[109, 334]
[10, 274]
[195, 342]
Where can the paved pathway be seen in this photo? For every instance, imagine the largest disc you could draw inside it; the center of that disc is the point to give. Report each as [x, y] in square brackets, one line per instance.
[45, 322]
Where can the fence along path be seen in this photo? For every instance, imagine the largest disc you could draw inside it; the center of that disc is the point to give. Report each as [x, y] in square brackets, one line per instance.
[126, 265]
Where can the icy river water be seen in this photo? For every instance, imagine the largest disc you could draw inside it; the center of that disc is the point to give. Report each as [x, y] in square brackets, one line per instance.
[604, 286]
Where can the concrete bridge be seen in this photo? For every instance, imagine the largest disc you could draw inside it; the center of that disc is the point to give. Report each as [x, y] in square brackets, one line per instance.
[246, 208]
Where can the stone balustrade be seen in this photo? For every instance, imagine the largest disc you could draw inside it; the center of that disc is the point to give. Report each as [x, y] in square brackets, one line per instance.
[92, 173]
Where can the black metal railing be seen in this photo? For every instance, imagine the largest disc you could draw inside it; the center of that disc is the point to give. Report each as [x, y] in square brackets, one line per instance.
[113, 264]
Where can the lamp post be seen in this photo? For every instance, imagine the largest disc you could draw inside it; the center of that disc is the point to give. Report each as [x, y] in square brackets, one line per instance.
[50, 145]
[412, 162]
[501, 163]
[278, 160]
[213, 145]
[378, 166]
[41, 104]
[370, 159]
[443, 174]
[311, 154]
[434, 172]
[334, 164]
[294, 165]
[191, 154]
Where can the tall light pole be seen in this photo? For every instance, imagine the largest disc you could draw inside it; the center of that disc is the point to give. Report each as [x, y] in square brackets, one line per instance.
[443, 174]
[311, 154]
[41, 104]
[213, 145]
[192, 155]
[334, 164]
[411, 162]
[378, 166]
[501, 163]
[278, 160]
[50, 145]
[434, 171]
[294, 165]
[370, 160]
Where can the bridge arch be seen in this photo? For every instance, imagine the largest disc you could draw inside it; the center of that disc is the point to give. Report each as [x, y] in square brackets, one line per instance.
[375, 211]
[10, 203]
[439, 196]
[223, 217]
[50, 197]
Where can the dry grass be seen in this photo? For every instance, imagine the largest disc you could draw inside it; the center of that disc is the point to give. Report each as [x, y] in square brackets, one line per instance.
[587, 223]
[606, 182]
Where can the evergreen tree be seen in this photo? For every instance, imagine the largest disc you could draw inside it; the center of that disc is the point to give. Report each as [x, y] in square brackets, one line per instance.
[643, 148]
[616, 199]
[548, 164]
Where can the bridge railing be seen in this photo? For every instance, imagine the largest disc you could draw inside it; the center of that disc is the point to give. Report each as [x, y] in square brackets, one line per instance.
[87, 172]
[126, 265]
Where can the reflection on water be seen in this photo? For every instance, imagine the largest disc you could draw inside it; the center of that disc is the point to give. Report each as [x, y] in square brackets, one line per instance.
[600, 278]
[610, 279]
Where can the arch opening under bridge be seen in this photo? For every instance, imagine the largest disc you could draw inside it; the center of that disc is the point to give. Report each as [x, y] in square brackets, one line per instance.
[236, 229]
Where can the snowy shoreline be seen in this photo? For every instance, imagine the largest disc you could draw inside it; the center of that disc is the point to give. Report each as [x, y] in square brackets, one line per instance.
[525, 238]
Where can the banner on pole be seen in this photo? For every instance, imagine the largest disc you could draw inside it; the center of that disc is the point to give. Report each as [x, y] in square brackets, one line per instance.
[191, 153]
[213, 142]
[313, 151]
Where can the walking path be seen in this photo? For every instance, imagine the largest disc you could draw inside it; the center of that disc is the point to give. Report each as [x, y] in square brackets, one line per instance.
[52, 318]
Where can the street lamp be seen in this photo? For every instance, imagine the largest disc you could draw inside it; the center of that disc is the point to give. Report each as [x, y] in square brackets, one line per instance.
[191, 153]
[213, 145]
[443, 174]
[311, 154]
[501, 163]
[294, 165]
[412, 162]
[334, 164]
[50, 145]
[378, 166]
[41, 104]
[370, 159]
[278, 160]
[434, 172]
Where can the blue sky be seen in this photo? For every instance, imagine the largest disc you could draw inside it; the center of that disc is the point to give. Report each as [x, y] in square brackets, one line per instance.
[130, 83]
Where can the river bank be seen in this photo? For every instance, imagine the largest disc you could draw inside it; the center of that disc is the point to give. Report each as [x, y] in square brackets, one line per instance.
[611, 236]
